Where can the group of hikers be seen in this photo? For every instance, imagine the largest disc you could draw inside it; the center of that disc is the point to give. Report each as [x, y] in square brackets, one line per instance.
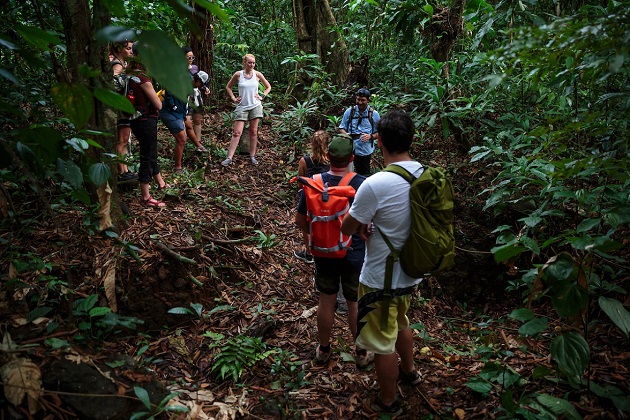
[377, 213]
[182, 120]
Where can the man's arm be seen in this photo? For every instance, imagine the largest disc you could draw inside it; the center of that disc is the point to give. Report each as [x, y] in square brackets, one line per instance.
[301, 222]
[350, 226]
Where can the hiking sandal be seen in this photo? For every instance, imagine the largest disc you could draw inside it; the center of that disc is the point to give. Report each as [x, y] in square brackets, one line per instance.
[152, 202]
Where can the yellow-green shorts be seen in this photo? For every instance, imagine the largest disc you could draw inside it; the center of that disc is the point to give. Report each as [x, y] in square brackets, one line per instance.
[369, 334]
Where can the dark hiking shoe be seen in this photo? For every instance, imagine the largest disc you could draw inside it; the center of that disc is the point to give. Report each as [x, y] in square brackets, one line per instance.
[393, 410]
[127, 178]
[409, 379]
[320, 356]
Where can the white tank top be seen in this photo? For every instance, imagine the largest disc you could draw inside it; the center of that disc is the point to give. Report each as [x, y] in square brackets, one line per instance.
[247, 88]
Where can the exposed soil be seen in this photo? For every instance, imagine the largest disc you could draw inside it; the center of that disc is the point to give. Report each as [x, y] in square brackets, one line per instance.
[257, 288]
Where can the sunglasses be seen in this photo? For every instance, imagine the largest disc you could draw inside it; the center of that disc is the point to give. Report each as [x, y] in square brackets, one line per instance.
[191, 58]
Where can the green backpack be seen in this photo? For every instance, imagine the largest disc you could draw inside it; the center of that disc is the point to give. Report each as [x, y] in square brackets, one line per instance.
[430, 247]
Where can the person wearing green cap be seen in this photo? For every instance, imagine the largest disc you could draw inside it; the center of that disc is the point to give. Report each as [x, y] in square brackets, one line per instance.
[382, 201]
[331, 273]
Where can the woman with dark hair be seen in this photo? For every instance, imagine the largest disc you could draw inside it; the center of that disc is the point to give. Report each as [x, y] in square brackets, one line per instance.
[147, 103]
[119, 53]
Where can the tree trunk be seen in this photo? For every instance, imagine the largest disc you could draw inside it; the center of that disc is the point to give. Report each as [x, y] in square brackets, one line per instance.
[80, 25]
[312, 20]
[445, 27]
[203, 46]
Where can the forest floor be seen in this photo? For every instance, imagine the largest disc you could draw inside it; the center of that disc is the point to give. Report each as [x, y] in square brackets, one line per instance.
[224, 244]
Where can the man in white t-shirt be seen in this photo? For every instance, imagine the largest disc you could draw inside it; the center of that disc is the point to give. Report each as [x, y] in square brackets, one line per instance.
[382, 202]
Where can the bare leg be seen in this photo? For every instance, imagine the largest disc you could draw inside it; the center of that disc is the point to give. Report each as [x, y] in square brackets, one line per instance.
[144, 191]
[387, 376]
[236, 136]
[325, 317]
[404, 347]
[190, 131]
[178, 153]
[197, 119]
[253, 136]
[121, 147]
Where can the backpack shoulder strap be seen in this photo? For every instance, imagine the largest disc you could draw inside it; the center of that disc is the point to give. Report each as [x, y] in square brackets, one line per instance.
[347, 178]
[318, 179]
[399, 170]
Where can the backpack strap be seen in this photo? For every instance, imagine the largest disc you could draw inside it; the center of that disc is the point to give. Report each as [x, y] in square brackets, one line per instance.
[393, 256]
[347, 178]
[351, 118]
[370, 118]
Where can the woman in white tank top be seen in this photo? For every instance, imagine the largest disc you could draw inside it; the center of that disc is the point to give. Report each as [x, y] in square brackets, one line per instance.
[249, 106]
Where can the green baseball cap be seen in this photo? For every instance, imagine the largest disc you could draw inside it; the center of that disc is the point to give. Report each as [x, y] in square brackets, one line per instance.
[340, 149]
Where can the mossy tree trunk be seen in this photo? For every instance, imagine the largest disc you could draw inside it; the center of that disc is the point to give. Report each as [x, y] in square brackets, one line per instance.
[314, 25]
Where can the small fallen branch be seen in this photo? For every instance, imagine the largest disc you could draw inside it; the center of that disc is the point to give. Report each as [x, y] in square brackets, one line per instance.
[174, 254]
[229, 241]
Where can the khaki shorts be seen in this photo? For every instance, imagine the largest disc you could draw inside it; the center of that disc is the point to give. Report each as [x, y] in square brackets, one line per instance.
[250, 114]
[369, 334]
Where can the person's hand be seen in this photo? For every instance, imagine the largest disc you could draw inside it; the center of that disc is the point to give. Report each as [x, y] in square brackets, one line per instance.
[365, 137]
[236, 99]
[365, 231]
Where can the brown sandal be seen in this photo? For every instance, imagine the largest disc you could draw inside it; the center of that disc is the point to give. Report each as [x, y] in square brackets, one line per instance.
[152, 202]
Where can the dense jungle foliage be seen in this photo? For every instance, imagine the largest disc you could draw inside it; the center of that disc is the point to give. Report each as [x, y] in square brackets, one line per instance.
[534, 94]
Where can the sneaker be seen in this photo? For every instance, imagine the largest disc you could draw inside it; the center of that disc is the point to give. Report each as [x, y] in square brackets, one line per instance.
[409, 379]
[127, 178]
[227, 162]
[253, 160]
[302, 255]
[201, 149]
[342, 308]
[320, 356]
[363, 360]
[393, 410]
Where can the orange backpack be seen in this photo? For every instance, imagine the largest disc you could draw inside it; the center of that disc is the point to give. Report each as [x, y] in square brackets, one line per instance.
[326, 207]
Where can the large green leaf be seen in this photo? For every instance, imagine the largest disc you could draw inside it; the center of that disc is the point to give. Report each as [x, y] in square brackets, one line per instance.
[70, 172]
[571, 352]
[37, 37]
[44, 144]
[617, 313]
[505, 252]
[559, 268]
[522, 314]
[114, 100]
[559, 406]
[75, 101]
[215, 9]
[569, 298]
[533, 327]
[99, 173]
[143, 395]
[115, 33]
[155, 50]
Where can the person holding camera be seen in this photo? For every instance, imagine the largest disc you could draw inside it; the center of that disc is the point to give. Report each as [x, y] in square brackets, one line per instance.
[359, 121]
